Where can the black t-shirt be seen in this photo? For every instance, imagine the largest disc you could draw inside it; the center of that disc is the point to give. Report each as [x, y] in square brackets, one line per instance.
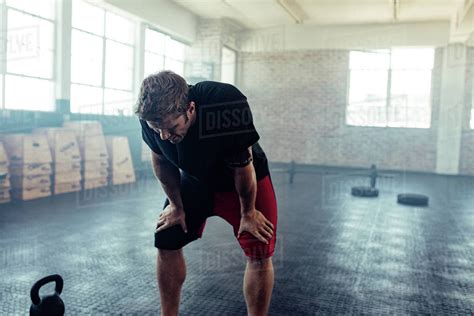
[219, 138]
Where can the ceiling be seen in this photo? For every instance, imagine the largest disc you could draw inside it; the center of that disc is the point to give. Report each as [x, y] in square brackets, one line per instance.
[256, 14]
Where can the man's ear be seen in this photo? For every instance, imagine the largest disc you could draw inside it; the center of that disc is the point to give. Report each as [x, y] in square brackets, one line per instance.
[191, 107]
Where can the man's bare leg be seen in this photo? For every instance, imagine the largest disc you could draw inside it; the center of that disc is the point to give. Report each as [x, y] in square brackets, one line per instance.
[258, 286]
[171, 272]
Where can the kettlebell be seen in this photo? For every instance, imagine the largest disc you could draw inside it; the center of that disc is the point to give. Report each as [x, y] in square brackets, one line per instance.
[48, 305]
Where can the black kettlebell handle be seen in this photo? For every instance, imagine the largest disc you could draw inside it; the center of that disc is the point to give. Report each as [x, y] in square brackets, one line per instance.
[34, 294]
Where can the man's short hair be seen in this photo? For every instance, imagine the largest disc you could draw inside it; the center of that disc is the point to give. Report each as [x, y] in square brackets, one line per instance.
[162, 94]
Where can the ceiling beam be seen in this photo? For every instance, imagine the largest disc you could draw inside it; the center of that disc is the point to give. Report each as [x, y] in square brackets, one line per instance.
[293, 10]
[464, 11]
[395, 6]
[462, 24]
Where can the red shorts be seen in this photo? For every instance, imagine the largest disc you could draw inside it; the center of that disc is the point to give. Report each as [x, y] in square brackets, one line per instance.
[227, 206]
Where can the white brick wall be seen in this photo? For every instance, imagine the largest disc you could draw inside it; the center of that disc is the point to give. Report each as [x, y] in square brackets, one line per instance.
[298, 99]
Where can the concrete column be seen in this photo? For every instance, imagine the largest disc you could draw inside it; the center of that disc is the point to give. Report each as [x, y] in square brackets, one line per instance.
[63, 55]
[451, 109]
[139, 57]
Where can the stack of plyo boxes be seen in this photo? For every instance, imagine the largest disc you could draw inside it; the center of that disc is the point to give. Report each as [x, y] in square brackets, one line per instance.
[120, 160]
[93, 151]
[30, 165]
[4, 177]
[66, 158]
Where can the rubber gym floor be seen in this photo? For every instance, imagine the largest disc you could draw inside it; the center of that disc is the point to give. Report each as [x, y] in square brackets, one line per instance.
[335, 254]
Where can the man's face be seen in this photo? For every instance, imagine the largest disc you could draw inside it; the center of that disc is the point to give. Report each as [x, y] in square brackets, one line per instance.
[174, 128]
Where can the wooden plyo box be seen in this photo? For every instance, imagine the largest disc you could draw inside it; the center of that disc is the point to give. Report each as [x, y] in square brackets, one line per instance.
[31, 194]
[5, 196]
[4, 193]
[31, 169]
[91, 139]
[122, 178]
[3, 160]
[67, 167]
[94, 148]
[95, 169]
[95, 183]
[67, 187]
[120, 160]
[5, 182]
[4, 176]
[67, 177]
[63, 144]
[27, 148]
[95, 165]
[30, 182]
[96, 174]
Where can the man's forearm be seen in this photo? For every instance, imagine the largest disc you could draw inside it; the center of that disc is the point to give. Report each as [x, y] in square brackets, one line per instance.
[170, 179]
[246, 186]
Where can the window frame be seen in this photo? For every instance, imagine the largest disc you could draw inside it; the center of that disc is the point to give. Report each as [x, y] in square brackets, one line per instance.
[234, 79]
[388, 93]
[165, 56]
[4, 9]
[104, 39]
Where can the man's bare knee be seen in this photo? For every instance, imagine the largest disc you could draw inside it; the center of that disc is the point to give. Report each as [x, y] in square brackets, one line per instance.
[171, 264]
[260, 264]
[165, 253]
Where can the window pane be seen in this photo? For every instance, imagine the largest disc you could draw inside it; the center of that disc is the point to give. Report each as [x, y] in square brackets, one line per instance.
[86, 99]
[43, 8]
[412, 58]
[410, 98]
[30, 45]
[229, 58]
[413, 85]
[119, 28]
[118, 102]
[367, 115]
[23, 93]
[86, 59]
[174, 49]
[154, 42]
[87, 17]
[377, 60]
[118, 66]
[367, 98]
[409, 117]
[153, 63]
[175, 66]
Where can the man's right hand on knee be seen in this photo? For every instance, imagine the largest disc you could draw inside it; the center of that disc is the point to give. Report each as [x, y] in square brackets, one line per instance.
[171, 216]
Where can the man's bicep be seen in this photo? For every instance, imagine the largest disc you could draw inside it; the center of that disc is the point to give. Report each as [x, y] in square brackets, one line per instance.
[158, 158]
[239, 159]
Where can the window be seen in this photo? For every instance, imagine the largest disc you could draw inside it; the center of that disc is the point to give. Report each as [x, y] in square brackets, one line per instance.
[174, 57]
[86, 58]
[229, 60]
[390, 88]
[102, 61]
[162, 52]
[28, 69]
